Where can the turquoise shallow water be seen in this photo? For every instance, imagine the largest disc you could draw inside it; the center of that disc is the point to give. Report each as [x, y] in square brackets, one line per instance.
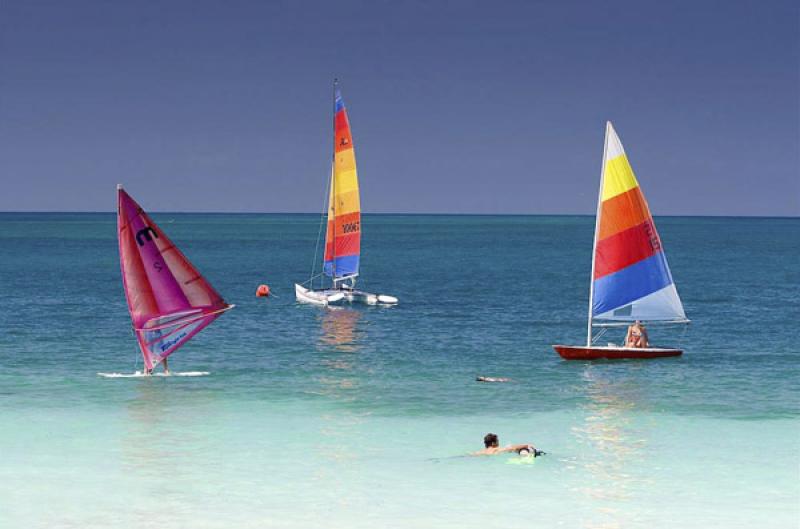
[350, 418]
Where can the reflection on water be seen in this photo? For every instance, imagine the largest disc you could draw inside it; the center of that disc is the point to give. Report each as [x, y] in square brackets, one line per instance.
[160, 448]
[147, 445]
[339, 328]
[341, 335]
[339, 471]
[616, 446]
[341, 331]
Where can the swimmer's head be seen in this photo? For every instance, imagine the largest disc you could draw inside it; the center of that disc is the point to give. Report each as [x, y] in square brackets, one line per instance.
[490, 440]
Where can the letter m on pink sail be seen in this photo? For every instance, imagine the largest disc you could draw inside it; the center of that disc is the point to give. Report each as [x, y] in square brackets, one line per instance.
[169, 300]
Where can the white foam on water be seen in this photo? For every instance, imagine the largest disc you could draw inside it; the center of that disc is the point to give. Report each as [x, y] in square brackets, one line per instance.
[140, 374]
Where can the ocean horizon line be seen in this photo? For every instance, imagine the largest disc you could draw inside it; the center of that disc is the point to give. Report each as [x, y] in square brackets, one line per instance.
[390, 214]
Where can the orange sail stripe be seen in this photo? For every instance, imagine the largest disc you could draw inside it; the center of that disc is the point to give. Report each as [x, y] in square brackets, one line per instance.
[621, 212]
[346, 223]
[626, 248]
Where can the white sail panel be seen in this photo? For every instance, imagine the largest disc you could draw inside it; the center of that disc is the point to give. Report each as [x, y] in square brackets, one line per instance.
[661, 305]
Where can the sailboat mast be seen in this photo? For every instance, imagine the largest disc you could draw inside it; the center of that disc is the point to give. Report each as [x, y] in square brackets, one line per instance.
[333, 185]
[596, 231]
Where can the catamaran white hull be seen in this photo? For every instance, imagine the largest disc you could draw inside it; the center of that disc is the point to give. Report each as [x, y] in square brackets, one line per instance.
[317, 297]
[327, 297]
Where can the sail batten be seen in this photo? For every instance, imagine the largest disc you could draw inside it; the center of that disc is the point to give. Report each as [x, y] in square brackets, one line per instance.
[343, 236]
[631, 277]
[168, 299]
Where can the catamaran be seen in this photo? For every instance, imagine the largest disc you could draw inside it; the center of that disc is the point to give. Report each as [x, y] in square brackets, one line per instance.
[169, 300]
[630, 278]
[343, 235]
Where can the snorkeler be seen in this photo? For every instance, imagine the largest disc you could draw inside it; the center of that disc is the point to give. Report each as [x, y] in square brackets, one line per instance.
[492, 447]
[491, 379]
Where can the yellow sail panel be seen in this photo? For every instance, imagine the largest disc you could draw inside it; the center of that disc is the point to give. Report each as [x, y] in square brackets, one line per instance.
[346, 182]
[345, 161]
[618, 177]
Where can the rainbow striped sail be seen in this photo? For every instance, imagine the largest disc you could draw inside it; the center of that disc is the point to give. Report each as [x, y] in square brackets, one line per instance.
[343, 238]
[168, 299]
[343, 234]
[630, 276]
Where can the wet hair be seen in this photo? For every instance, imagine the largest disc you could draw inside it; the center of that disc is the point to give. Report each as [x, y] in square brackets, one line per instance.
[490, 439]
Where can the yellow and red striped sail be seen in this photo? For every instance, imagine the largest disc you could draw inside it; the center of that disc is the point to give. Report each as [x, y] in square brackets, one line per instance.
[631, 277]
[343, 239]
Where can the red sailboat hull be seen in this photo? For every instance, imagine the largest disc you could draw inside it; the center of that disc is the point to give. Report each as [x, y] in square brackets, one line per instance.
[570, 352]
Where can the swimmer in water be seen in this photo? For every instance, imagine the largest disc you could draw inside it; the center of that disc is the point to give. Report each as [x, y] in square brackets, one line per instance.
[491, 379]
[492, 447]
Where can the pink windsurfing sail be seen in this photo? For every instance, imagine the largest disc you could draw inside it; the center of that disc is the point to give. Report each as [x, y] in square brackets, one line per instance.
[169, 300]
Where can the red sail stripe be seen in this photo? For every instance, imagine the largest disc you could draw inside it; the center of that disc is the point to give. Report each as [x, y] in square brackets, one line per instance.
[626, 248]
[344, 224]
[349, 244]
[347, 223]
[343, 137]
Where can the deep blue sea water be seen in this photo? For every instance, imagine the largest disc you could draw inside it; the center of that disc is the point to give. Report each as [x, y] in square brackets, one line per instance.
[349, 418]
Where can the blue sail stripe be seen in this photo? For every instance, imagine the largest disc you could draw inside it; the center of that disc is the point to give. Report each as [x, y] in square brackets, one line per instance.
[339, 101]
[631, 283]
[346, 265]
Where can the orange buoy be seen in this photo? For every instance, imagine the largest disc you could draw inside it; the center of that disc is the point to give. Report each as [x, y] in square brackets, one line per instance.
[262, 291]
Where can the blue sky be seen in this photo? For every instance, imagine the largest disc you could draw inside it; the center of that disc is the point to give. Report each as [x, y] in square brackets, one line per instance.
[464, 107]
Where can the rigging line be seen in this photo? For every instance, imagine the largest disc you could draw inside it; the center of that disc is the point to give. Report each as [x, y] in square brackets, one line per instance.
[312, 278]
[599, 335]
[319, 233]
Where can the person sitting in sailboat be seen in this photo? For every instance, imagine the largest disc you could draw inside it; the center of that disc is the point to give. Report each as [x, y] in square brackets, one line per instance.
[637, 336]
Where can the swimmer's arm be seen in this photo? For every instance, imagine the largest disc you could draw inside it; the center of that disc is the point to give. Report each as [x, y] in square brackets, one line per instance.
[516, 448]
